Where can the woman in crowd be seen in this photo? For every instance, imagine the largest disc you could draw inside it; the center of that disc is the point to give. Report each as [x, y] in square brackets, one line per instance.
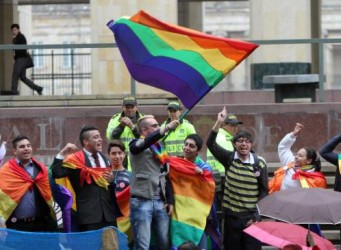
[299, 171]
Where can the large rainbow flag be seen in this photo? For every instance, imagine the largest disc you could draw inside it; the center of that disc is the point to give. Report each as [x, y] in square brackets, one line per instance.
[183, 61]
[194, 195]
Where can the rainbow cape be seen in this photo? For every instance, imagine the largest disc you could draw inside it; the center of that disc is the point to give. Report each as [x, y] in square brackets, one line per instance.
[194, 196]
[123, 222]
[88, 175]
[15, 182]
[185, 62]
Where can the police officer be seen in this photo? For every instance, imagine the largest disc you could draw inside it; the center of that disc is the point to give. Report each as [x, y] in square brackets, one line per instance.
[174, 139]
[224, 139]
[122, 126]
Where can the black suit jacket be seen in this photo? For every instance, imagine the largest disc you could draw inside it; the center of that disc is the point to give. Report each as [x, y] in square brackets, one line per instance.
[93, 202]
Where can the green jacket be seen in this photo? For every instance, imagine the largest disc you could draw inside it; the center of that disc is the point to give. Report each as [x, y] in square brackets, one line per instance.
[224, 139]
[174, 139]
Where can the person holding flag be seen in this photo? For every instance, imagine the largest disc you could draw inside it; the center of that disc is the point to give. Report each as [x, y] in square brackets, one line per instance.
[194, 218]
[152, 200]
[174, 139]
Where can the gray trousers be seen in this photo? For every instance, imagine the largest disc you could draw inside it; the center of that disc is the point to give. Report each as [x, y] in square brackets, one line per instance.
[19, 72]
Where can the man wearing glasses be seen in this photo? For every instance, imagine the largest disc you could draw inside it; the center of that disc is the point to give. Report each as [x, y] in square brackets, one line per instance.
[224, 138]
[151, 201]
[246, 182]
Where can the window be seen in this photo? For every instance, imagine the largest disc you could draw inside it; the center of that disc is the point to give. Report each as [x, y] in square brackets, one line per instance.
[68, 57]
[38, 56]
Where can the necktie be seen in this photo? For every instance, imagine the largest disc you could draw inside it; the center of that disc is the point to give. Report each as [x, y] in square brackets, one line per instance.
[95, 156]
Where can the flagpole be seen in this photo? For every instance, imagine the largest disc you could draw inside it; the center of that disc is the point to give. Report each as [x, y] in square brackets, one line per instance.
[182, 116]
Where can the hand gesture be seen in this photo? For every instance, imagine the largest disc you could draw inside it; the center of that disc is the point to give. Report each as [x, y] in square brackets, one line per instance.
[125, 121]
[298, 128]
[68, 149]
[169, 208]
[222, 115]
[199, 170]
[173, 124]
[108, 176]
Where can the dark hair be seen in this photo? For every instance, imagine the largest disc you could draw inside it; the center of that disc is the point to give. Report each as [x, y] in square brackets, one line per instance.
[312, 155]
[116, 143]
[18, 139]
[242, 134]
[15, 25]
[197, 139]
[83, 134]
[188, 245]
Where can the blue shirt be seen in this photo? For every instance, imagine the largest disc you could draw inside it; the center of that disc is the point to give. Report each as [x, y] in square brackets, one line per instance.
[27, 205]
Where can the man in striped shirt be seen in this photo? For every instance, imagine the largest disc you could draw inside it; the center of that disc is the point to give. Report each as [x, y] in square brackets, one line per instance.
[246, 182]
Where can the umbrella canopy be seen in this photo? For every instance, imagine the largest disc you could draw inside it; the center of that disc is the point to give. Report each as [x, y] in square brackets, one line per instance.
[302, 206]
[279, 234]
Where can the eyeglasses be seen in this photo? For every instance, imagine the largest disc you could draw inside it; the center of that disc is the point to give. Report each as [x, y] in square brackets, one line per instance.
[154, 125]
[243, 141]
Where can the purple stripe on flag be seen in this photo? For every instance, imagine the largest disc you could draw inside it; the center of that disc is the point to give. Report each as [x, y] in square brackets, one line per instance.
[161, 72]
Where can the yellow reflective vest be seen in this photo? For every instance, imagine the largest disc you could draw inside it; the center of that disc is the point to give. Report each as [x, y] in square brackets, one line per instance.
[174, 139]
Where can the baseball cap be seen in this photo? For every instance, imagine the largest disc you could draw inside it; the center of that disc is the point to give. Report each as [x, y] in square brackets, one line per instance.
[174, 105]
[129, 100]
[232, 119]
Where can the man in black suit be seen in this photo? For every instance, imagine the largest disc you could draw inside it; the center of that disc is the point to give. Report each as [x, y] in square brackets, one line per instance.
[90, 176]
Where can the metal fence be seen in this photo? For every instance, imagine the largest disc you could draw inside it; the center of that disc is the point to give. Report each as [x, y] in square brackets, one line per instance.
[62, 72]
[74, 80]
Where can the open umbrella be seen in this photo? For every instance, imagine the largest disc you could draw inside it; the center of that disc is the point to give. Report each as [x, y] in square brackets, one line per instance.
[302, 206]
[279, 234]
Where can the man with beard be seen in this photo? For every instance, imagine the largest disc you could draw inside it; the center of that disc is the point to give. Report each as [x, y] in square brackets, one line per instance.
[88, 171]
[122, 126]
[246, 182]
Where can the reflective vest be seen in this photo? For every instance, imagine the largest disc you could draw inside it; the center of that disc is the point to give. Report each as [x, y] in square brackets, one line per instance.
[224, 139]
[174, 140]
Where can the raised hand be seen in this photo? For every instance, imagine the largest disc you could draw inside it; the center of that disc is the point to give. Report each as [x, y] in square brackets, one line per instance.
[298, 128]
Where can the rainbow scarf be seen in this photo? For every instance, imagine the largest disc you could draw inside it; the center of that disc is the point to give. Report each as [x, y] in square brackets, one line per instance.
[160, 152]
[185, 62]
[15, 182]
[310, 179]
[194, 196]
[339, 161]
[88, 175]
[123, 222]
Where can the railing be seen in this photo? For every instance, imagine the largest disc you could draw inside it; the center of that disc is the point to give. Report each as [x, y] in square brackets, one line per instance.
[62, 73]
[320, 43]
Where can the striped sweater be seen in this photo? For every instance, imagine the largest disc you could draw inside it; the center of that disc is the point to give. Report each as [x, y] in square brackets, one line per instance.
[242, 189]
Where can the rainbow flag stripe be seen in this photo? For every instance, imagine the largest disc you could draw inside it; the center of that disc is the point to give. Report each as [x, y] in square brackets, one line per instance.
[194, 195]
[182, 61]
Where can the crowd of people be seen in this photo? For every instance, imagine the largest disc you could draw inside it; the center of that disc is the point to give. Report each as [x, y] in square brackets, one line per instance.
[145, 161]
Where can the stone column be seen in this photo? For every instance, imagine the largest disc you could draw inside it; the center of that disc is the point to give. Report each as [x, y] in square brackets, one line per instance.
[109, 73]
[277, 19]
[8, 15]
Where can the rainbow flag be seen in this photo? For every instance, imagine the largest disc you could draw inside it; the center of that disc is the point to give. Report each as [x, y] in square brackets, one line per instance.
[123, 222]
[194, 196]
[339, 162]
[185, 62]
